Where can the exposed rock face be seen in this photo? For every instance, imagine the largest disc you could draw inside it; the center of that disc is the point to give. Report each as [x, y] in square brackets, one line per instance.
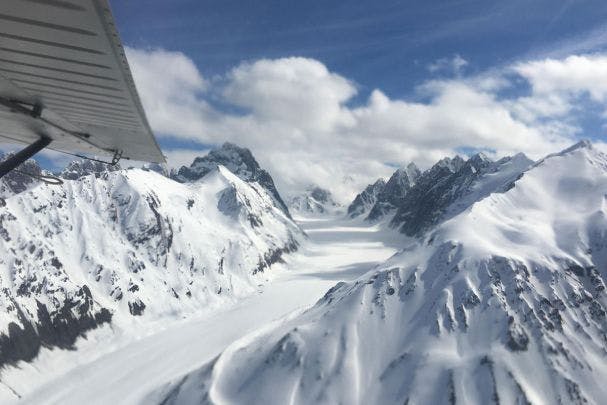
[60, 328]
[452, 181]
[84, 167]
[414, 202]
[239, 161]
[365, 201]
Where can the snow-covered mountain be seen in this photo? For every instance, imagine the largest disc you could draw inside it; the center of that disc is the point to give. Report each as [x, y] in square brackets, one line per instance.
[84, 167]
[239, 161]
[15, 182]
[130, 244]
[395, 190]
[502, 302]
[414, 202]
[314, 200]
[365, 200]
[451, 186]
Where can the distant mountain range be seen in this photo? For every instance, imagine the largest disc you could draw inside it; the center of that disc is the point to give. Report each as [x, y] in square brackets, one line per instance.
[413, 201]
[499, 297]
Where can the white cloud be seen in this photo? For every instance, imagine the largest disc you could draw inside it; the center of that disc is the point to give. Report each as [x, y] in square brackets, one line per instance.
[299, 92]
[181, 157]
[170, 87]
[574, 75]
[456, 65]
[296, 115]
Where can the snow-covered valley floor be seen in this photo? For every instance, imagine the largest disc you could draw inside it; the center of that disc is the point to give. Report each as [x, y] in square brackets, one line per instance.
[124, 365]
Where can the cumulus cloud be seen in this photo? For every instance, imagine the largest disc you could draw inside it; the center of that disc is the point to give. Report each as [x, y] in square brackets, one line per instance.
[298, 92]
[297, 116]
[574, 75]
[171, 88]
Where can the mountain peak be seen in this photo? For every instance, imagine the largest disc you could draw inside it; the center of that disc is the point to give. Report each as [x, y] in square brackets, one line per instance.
[583, 147]
[452, 164]
[480, 157]
[583, 144]
[366, 199]
[237, 160]
[84, 167]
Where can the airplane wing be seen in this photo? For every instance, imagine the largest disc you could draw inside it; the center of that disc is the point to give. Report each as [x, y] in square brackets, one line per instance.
[64, 77]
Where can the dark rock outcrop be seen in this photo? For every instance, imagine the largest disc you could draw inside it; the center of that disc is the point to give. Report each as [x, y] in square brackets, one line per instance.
[59, 327]
[84, 167]
[450, 180]
[366, 199]
[395, 190]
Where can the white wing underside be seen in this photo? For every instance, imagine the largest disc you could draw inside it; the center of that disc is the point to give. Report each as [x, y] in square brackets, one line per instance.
[66, 56]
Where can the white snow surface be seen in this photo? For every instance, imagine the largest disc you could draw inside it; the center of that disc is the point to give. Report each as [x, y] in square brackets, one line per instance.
[136, 237]
[503, 303]
[126, 364]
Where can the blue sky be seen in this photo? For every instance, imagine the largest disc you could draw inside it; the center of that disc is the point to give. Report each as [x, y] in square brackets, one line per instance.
[378, 44]
[338, 93]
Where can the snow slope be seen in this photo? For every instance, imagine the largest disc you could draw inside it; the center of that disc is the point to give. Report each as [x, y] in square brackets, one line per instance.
[502, 303]
[113, 367]
[130, 247]
[451, 186]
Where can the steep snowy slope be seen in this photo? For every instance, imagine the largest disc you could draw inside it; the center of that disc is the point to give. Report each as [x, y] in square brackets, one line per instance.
[503, 303]
[128, 244]
[315, 200]
[451, 186]
[413, 202]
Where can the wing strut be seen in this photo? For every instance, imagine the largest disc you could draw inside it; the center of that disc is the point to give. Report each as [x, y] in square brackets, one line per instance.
[24, 154]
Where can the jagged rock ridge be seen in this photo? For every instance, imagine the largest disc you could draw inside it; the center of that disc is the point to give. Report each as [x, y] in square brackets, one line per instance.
[392, 194]
[414, 202]
[85, 167]
[365, 200]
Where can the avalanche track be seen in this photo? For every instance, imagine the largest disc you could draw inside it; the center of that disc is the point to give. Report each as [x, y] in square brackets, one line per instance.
[115, 366]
